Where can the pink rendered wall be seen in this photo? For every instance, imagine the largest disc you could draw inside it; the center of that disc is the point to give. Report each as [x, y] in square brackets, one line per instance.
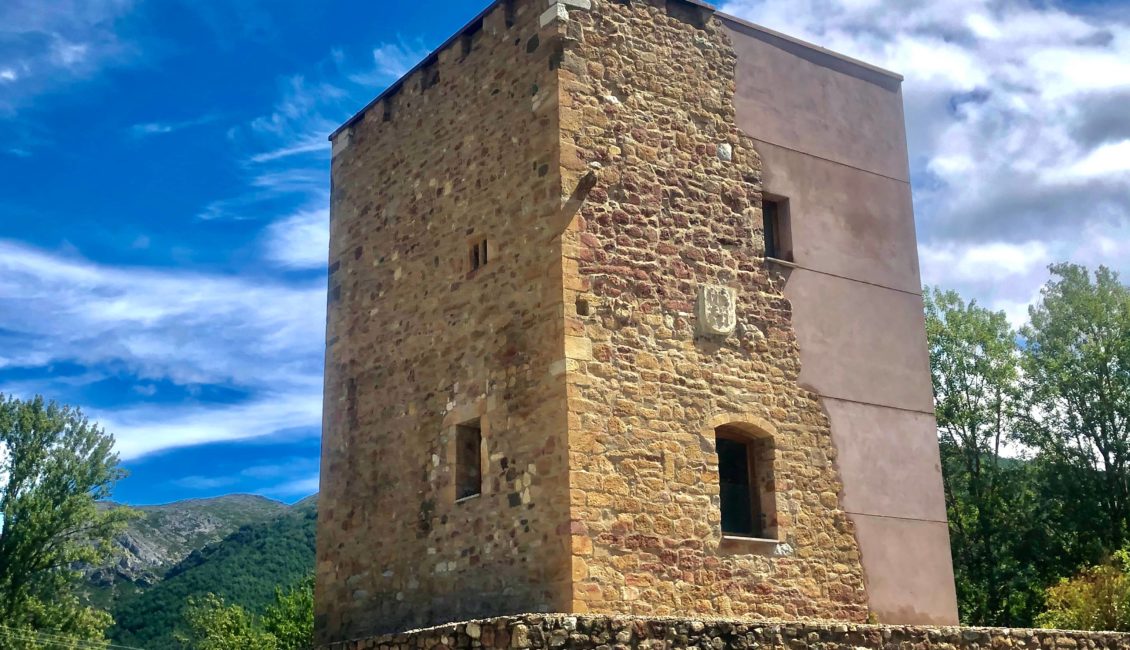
[831, 137]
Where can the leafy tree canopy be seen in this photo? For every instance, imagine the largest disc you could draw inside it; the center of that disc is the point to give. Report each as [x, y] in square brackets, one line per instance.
[54, 465]
[287, 624]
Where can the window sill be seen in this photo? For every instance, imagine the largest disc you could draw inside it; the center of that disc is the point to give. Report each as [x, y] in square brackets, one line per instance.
[468, 497]
[741, 539]
[786, 263]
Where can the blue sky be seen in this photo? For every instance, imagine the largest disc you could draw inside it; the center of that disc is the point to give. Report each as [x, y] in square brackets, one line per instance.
[164, 181]
[163, 194]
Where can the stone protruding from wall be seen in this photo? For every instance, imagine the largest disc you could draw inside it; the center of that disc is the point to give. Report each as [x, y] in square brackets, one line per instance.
[566, 632]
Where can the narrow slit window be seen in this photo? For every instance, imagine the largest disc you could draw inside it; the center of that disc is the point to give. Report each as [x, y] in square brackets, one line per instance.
[778, 239]
[745, 467]
[478, 254]
[468, 459]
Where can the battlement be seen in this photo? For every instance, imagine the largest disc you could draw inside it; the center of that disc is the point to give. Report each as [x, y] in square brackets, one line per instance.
[500, 16]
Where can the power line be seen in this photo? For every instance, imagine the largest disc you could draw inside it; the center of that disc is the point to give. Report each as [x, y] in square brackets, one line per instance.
[58, 639]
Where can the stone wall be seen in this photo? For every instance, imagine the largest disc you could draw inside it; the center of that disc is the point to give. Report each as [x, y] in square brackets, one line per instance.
[647, 99]
[621, 633]
[593, 145]
[461, 150]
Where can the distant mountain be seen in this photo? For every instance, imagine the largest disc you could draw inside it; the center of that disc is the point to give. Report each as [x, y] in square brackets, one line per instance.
[244, 567]
[166, 534]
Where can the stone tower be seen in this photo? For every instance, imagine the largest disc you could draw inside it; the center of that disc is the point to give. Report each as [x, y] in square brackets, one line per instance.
[625, 317]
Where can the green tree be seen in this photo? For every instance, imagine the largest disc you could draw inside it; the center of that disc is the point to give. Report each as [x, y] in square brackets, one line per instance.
[54, 466]
[1076, 364]
[287, 623]
[974, 364]
[1098, 598]
[215, 625]
[291, 618]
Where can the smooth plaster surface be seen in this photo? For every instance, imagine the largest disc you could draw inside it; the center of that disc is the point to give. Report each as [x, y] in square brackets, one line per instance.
[860, 342]
[907, 486]
[809, 107]
[908, 569]
[849, 224]
[832, 140]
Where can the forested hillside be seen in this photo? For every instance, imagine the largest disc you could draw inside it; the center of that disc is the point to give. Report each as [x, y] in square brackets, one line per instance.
[163, 535]
[245, 568]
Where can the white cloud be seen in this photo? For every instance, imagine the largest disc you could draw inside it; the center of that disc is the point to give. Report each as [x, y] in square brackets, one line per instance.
[996, 260]
[390, 62]
[191, 329]
[1017, 124]
[313, 143]
[1108, 159]
[300, 241]
[148, 428]
[298, 124]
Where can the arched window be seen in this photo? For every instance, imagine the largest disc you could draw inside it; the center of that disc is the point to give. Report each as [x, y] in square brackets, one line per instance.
[745, 477]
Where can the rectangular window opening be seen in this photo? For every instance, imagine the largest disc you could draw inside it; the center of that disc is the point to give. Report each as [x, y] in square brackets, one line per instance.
[468, 459]
[510, 12]
[775, 221]
[746, 488]
[740, 507]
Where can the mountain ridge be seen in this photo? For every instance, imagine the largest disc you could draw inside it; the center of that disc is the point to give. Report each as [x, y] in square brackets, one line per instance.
[165, 534]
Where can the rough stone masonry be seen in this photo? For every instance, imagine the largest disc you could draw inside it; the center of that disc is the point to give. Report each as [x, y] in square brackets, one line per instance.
[624, 633]
[624, 318]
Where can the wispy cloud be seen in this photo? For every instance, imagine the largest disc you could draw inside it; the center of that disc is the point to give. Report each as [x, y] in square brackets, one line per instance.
[312, 143]
[302, 240]
[282, 469]
[390, 62]
[298, 487]
[182, 327]
[160, 128]
[45, 45]
[152, 427]
[299, 122]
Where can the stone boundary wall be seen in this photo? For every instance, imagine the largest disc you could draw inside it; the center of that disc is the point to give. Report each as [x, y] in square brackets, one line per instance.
[558, 631]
